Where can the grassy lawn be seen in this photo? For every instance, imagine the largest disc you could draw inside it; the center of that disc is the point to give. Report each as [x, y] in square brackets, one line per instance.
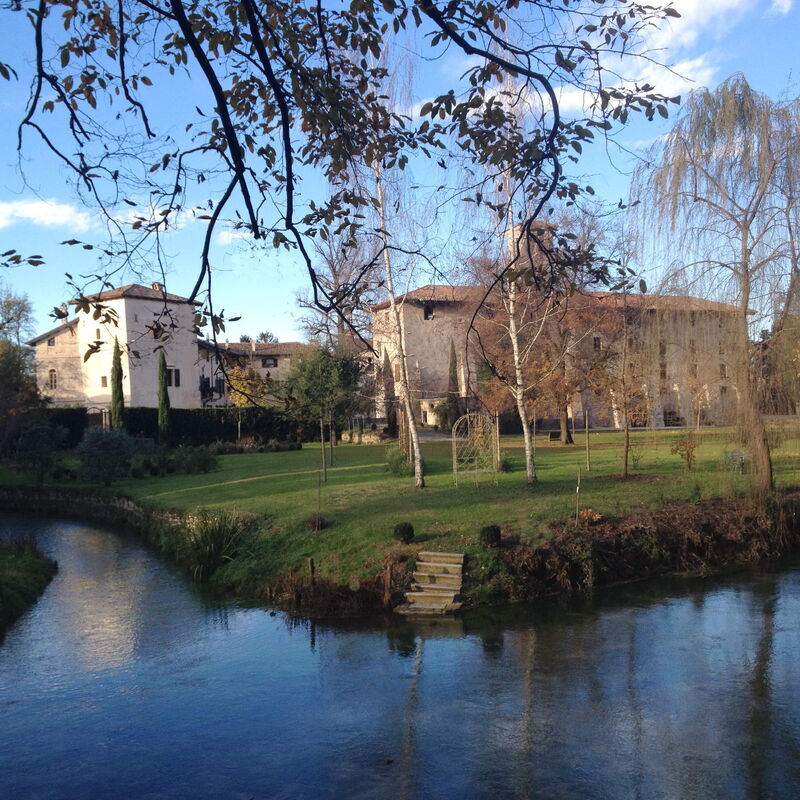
[363, 501]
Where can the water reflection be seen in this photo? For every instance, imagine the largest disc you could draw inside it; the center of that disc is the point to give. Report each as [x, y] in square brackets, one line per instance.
[129, 682]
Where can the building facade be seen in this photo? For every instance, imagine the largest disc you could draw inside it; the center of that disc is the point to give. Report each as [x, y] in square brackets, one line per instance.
[678, 368]
[144, 320]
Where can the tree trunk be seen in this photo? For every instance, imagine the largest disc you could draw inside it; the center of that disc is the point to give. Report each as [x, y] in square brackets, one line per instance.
[519, 386]
[322, 447]
[586, 430]
[749, 413]
[563, 419]
[405, 387]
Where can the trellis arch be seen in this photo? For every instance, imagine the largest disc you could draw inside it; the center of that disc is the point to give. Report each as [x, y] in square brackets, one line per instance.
[476, 447]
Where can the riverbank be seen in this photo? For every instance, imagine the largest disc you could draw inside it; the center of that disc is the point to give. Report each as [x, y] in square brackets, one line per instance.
[24, 575]
[222, 550]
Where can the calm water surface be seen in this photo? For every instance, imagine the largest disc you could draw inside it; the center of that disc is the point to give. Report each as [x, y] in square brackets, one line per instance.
[123, 681]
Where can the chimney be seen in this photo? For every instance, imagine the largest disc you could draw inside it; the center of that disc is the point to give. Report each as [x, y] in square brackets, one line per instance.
[158, 287]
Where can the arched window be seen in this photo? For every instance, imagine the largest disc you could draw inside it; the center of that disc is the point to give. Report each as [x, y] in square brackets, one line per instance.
[52, 379]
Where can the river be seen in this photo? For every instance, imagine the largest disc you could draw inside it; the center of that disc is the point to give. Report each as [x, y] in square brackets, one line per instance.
[124, 681]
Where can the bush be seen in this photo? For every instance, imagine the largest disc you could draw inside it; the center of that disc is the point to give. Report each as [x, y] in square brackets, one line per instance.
[36, 452]
[489, 536]
[404, 532]
[209, 541]
[193, 460]
[317, 522]
[105, 455]
[204, 426]
[685, 447]
[73, 419]
[397, 463]
[505, 465]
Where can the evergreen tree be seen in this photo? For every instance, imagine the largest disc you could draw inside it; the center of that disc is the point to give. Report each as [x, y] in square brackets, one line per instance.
[453, 406]
[117, 401]
[163, 399]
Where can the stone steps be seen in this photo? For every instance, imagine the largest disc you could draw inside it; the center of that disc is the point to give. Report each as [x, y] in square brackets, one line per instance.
[437, 584]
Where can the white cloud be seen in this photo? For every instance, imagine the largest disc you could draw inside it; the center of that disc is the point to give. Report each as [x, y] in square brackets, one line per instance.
[48, 213]
[699, 18]
[229, 237]
[781, 6]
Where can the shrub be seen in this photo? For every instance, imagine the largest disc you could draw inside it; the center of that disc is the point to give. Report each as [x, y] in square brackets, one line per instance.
[397, 463]
[404, 532]
[505, 465]
[588, 516]
[489, 536]
[209, 541]
[685, 447]
[105, 455]
[317, 522]
[192, 460]
[37, 449]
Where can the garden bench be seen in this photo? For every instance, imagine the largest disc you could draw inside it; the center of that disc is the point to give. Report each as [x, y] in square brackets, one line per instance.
[555, 436]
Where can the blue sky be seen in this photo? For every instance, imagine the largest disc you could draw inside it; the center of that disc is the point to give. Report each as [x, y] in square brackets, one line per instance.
[713, 39]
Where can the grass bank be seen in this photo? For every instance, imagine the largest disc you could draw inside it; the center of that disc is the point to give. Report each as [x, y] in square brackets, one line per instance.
[362, 502]
[24, 575]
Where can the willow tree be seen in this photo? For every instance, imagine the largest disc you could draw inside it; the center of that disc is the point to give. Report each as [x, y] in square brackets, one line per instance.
[711, 192]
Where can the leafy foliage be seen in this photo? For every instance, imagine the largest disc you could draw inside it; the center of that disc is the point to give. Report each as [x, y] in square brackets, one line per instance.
[105, 455]
[163, 400]
[297, 87]
[117, 397]
[404, 532]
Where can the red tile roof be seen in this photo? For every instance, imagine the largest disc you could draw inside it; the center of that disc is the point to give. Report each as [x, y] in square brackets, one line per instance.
[257, 348]
[139, 292]
[662, 302]
[433, 293]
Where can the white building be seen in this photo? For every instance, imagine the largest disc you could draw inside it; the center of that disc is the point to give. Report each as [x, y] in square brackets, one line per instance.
[145, 320]
[69, 378]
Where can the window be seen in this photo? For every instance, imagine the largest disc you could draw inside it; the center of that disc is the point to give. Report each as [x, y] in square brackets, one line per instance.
[397, 372]
[97, 334]
[692, 347]
[427, 311]
[173, 377]
[692, 318]
[51, 342]
[52, 379]
[663, 372]
[692, 370]
[135, 317]
[269, 361]
[219, 386]
[723, 390]
[723, 370]
[596, 343]
[104, 381]
[722, 348]
[662, 348]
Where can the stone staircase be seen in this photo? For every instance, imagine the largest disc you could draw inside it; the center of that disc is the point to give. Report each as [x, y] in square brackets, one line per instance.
[437, 584]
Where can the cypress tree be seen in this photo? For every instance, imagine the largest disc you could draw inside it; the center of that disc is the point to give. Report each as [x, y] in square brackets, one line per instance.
[117, 401]
[453, 406]
[163, 399]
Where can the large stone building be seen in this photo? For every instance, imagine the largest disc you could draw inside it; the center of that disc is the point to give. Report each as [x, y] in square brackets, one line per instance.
[677, 352]
[132, 313]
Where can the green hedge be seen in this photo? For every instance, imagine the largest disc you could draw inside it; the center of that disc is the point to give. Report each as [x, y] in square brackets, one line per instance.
[202, 426]
[72, 419]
